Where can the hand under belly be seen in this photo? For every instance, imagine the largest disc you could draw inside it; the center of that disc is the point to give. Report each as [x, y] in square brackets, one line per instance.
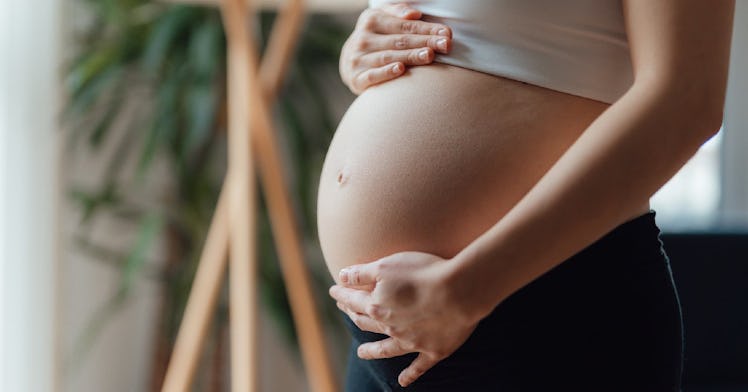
[430, 161]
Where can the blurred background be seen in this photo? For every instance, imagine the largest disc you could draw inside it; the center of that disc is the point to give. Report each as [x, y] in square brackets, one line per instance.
[112, 152]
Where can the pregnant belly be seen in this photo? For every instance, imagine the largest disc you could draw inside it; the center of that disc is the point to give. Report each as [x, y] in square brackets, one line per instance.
[431, 160]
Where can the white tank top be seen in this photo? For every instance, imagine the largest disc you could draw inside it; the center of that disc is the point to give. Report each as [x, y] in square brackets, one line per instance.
[578, 47]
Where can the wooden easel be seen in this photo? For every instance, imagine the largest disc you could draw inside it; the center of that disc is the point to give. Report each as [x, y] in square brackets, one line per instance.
[251, 89]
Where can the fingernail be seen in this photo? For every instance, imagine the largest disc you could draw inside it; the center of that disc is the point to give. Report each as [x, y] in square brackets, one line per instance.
[343, 275]
[395, 69]
[443, 32]
[442, 44]
[424, 54]
[405, 11]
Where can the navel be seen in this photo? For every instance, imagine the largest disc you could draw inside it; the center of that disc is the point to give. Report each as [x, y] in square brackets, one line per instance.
[342, 176]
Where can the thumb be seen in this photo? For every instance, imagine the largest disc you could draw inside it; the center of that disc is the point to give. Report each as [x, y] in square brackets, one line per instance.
[359, 274]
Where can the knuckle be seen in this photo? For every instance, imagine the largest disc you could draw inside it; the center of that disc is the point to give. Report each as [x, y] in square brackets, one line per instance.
[386, 58]
[408, 26]
[360, 43]
[364, 80]
[381, 350]
[367, 19]
[355, 62]
[372, 309]
[407, 345]
[400, 42]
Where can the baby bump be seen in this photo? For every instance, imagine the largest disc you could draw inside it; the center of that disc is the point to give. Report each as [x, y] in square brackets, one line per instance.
[430, 161]
[396, 189]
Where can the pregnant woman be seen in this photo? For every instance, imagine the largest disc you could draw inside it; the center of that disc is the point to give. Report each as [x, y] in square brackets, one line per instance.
[484, 203]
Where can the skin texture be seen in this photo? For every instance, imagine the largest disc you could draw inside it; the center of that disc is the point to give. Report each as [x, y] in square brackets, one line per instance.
[430, 303]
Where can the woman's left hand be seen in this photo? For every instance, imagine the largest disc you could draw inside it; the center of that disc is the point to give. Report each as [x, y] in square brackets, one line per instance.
[415, 301]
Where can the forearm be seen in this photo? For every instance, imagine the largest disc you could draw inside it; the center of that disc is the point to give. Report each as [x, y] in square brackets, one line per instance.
[622, 158]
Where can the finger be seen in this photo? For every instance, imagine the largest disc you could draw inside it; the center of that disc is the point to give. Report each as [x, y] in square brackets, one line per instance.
[369, 272]
[355, 300]
[383, 23]
[362, 321]
[417, 368]
[420, 56]
[376, 42]
[371, 77]
[402, 10]
[386, 348]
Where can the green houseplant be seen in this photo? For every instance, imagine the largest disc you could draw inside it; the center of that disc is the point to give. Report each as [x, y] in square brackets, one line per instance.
[174, 56]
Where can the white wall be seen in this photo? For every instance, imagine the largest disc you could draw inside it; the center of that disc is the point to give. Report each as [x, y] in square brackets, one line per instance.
[734, 207]
[29, 33]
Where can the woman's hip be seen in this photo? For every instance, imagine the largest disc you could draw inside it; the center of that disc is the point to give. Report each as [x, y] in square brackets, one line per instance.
[607, 318]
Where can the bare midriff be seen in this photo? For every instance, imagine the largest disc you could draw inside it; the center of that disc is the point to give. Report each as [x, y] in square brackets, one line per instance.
[431, 160]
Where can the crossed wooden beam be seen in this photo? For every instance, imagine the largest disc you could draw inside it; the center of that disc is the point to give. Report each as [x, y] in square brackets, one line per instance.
[251, 89]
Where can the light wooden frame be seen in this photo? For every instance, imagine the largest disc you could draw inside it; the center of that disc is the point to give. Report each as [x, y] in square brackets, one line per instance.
[251, 89]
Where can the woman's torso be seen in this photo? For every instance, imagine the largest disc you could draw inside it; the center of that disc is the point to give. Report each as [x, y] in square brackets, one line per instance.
[432, 159]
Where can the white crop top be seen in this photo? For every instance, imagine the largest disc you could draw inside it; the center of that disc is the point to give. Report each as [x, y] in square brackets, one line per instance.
[578, 47]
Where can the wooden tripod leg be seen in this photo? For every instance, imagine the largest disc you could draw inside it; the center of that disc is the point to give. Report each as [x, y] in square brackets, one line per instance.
[281, 43]
[206, 284]
[311, 338]
[307, 323]
[241, 202]
[301, 297]
[308, 326]
[200, 304]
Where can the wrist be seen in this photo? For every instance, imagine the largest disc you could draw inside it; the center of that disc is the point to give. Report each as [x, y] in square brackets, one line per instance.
[475, 294]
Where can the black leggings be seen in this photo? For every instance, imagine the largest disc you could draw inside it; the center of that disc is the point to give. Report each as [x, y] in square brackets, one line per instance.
[606, 319]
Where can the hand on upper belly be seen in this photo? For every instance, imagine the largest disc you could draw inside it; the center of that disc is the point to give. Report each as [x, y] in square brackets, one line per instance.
[387, 39]
[413, 302]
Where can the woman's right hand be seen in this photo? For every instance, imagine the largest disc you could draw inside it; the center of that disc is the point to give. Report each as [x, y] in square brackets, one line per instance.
[387, 39]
